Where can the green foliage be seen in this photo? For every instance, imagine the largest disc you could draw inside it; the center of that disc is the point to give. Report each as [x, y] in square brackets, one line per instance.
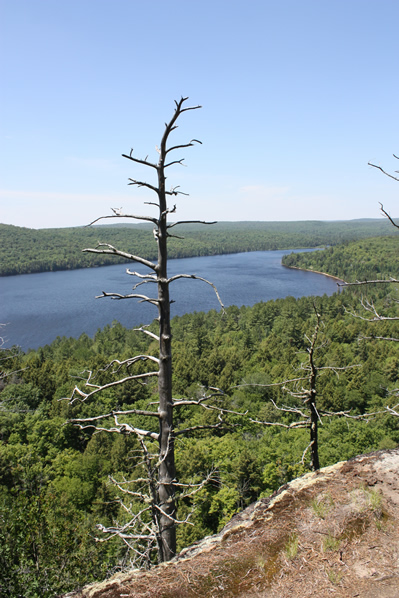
[330, 542]
[373, 498]
[322, 505]
[54, 484]
[291, 547]
[360, 260]
[44, 540]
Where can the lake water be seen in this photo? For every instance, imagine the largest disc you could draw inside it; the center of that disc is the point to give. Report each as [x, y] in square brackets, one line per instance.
[37, 308]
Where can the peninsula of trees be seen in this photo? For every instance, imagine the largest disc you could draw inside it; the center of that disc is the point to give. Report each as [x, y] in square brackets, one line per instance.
[364, 259]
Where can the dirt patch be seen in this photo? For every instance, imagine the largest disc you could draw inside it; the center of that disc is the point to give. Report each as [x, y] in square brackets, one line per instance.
[330, 533]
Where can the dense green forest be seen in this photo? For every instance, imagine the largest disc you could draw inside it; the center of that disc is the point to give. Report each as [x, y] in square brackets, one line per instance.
[54, 477]
[370, 259]
[26, 251]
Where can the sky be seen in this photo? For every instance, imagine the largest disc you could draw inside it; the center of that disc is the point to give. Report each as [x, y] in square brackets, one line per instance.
[297, 97]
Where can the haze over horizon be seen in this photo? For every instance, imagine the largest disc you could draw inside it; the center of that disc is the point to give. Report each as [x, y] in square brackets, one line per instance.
[127, 222]
[297, 99]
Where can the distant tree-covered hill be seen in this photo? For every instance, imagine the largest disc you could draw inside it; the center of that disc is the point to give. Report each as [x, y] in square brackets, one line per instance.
[25, 251]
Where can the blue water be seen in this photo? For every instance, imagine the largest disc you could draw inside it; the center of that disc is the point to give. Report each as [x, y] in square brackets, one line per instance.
[37, 308]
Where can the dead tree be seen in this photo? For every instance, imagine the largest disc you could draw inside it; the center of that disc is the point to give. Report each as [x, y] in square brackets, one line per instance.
[305, 389]
[8, 361]
[370, 312]
[141, 531]
[163, 486]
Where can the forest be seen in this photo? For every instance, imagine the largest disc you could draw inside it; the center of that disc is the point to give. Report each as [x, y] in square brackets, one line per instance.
[367, 259]
[55, 478]
[27, 251]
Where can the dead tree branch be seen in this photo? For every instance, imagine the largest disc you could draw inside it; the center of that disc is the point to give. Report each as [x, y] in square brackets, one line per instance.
[110, 250]
[386, 213]
[391, 176]
[369, 307]
[393, 410]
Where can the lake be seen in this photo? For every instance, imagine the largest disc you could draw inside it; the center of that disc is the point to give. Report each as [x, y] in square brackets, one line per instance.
[37, 308]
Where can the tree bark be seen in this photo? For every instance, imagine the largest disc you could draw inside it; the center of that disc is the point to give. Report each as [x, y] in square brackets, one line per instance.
[167, 473]
[314, 418]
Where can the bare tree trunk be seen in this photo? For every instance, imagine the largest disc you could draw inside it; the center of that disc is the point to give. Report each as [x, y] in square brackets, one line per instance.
[314, 417]
[314, 445]
[167, 473]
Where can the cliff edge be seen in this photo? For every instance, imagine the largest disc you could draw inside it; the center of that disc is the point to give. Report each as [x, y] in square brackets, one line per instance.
[334, 532]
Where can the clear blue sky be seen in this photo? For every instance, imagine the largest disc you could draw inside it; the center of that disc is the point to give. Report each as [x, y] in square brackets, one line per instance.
[297, 96]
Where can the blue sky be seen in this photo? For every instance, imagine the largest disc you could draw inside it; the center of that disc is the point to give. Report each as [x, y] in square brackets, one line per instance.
[297, 97]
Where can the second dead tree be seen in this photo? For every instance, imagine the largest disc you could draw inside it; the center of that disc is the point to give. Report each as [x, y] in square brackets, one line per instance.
[304, 388]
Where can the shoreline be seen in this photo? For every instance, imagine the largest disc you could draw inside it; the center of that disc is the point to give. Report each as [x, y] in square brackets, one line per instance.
[315, 272]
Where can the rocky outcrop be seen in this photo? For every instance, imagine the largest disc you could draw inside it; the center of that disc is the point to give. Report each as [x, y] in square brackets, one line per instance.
[332, 532]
